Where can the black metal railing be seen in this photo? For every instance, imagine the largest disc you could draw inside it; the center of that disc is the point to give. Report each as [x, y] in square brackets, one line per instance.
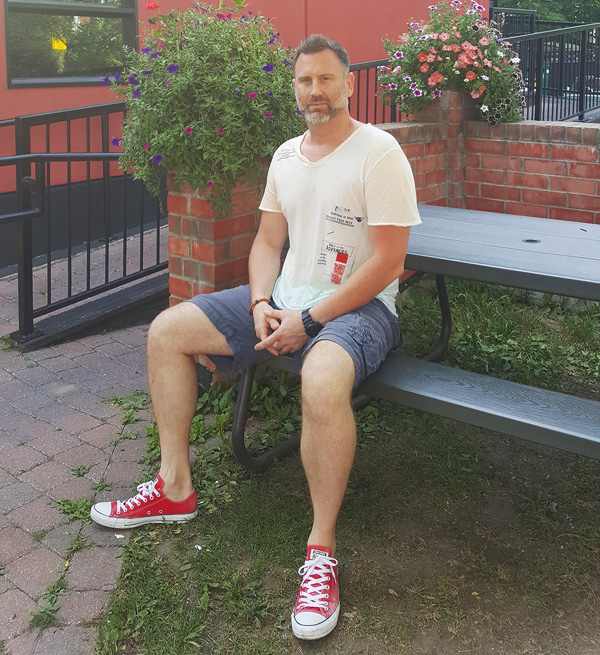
[365, 104]
[81, 227]
[560, 71]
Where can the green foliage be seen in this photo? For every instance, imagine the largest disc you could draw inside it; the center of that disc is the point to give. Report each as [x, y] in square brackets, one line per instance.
[571, 11]
[74, 509]
[46, 617]
[80, 471]
[209, 98]
[497, 332]
[456, 49]
[130, 406]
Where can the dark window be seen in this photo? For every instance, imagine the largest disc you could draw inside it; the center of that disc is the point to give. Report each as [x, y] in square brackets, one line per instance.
[65, 43]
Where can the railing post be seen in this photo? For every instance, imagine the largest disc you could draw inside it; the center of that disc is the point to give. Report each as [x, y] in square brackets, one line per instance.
[582, 71]
[539, 55]
[24, 245]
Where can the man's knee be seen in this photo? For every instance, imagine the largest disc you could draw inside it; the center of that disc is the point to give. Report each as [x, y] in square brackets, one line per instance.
[327, 376]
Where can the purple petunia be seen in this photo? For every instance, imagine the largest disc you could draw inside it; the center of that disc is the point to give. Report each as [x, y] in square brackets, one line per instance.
[157, 159]
[116, 142]
[146, 72]
[172, 68]
[146, 50]
[437, 93]
[133, 79]
[135, 93]
[106, 81]
[413, 85]
[237, 90]
[417, 93]
[399, 54]
[154, 55]
[287, 63]
[117, 77]
[268, 68]
[252, 95]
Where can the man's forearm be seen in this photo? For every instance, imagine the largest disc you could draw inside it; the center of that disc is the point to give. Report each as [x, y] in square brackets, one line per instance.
[360, 288]
[263, 269]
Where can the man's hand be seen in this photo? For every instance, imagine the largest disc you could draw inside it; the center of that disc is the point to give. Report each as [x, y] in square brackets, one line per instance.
[264, 325]
[287, 337]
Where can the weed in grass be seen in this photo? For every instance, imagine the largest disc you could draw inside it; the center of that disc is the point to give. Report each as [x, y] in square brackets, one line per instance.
[79, 542]
[130, 405]
[46, 617]
[39, 535]
[6, 343]
[102, 485]
[74, 509]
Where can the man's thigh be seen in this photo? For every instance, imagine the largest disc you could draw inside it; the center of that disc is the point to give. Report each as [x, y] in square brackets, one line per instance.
[227, 311]
[366, 334]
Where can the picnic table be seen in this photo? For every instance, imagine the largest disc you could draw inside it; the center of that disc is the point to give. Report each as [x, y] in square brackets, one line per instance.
[536, 254]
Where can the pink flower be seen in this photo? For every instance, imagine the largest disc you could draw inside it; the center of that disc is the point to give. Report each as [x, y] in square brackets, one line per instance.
[267, 114]
[424, 68]
[221, 131]
[210, 185]
[470, 76]
[252, 95]
[188, 130]
[147, 146]
[444, 36]
[484, 40]
[151, 5]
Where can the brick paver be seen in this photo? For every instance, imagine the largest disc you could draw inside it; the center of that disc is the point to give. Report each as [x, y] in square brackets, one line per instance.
[54, 417]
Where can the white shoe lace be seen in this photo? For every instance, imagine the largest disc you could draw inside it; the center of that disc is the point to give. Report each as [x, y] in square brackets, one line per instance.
[316, 573]
[146, 490]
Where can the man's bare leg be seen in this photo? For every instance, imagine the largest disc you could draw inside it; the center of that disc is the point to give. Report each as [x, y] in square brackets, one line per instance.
[328, 434]
[175, 336]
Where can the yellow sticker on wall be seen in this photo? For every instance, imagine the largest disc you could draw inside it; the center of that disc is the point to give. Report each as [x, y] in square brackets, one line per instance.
[58, 44]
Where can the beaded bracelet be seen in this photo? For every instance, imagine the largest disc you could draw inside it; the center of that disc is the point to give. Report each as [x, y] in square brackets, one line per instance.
[253, 305]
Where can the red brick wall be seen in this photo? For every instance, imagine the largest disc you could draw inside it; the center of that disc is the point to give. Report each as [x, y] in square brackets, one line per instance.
[208, 252]
[550, 170]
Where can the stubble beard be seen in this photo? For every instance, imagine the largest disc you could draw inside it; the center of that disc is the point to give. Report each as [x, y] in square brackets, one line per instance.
[334, 107]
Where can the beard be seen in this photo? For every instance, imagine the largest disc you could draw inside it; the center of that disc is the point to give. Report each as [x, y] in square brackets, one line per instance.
[332, 108]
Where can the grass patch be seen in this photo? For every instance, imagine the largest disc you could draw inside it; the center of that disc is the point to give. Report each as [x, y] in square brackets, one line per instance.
[451, 539]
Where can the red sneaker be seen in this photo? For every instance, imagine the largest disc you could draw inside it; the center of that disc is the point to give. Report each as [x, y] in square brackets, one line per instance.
[318, 605]
[149, 505]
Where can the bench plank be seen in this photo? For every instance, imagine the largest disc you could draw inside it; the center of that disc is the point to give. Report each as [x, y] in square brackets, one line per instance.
[548, 417]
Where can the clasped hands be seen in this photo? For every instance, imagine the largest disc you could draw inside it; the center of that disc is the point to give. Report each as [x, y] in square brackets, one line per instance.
[280, 331]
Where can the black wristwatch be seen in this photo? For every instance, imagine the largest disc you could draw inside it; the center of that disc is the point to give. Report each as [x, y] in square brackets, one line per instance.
[312, 328]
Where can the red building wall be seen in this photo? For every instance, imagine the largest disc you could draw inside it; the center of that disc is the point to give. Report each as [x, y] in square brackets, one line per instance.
[358, 26]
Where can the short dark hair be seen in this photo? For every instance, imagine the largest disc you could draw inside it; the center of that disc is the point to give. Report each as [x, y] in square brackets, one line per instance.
[317, 43]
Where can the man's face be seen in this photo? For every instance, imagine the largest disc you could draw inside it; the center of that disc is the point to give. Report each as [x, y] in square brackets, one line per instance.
[322, 87]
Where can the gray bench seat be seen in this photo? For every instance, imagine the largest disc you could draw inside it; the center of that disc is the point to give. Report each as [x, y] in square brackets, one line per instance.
[547, 417]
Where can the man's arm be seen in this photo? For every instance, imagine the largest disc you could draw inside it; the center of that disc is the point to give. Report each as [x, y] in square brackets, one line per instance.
[263, 268]
[390, 243]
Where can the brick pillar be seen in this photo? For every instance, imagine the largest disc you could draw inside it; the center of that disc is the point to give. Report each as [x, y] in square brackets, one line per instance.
[453, 109]
[208, 251]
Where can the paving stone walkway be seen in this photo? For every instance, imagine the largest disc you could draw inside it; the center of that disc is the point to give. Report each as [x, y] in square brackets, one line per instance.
[54, 418]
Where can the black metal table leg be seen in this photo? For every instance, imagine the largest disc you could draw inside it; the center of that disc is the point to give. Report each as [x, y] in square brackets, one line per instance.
[437, 353]
[253, 463]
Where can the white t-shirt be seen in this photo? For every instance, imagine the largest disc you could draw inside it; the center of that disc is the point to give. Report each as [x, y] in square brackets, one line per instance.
[328, 204]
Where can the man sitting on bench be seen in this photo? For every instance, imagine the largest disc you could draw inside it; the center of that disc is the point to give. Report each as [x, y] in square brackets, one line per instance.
[344, 195]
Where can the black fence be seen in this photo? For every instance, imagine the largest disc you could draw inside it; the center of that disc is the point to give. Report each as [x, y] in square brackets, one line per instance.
[366, 105]
[561, 72]
[75, 227]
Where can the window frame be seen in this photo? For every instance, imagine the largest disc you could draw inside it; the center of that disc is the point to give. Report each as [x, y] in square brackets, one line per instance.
[126, 12]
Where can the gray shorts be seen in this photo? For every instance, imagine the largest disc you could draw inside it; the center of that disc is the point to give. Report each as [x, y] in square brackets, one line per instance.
[366, 334]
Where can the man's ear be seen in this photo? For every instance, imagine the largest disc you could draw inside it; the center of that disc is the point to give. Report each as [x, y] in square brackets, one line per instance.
[350, 79]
